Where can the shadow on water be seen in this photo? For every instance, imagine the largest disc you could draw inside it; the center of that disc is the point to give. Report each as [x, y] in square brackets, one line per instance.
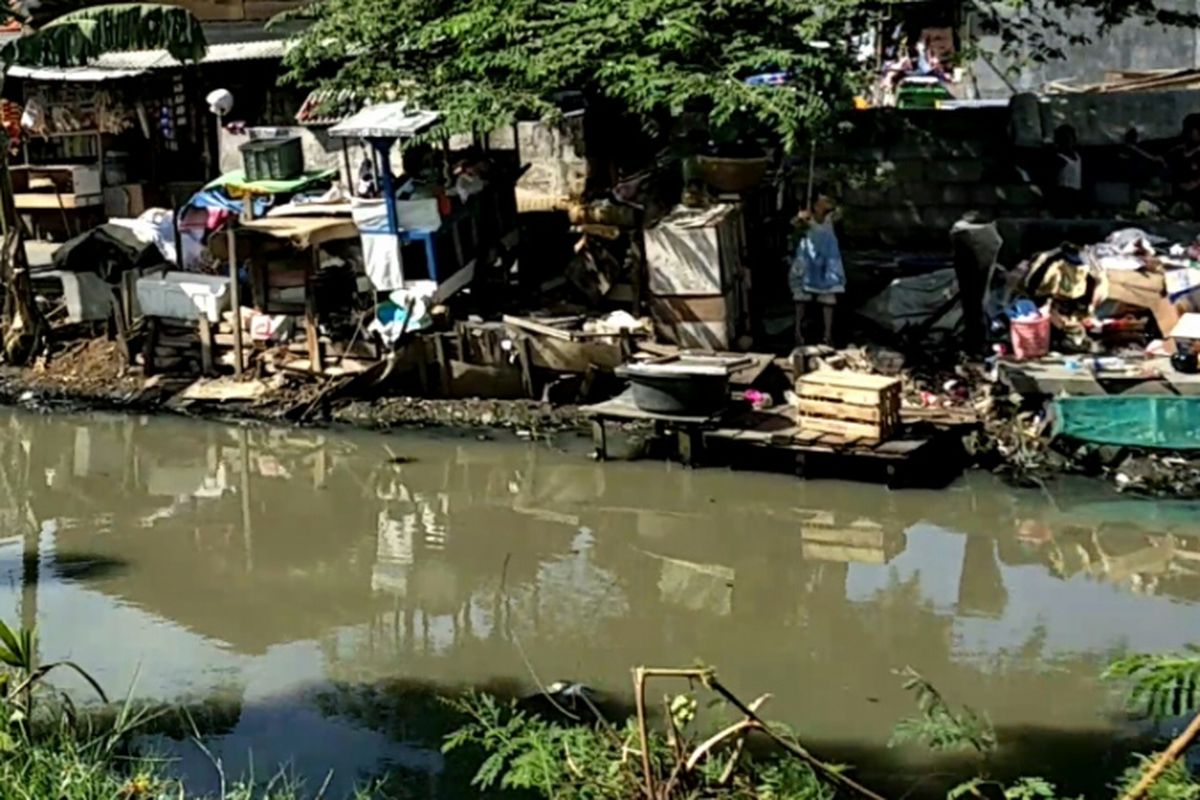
[86, 566]
[416, 715]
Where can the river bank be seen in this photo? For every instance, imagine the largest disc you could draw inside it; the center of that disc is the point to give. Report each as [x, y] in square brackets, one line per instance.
[1001, 431]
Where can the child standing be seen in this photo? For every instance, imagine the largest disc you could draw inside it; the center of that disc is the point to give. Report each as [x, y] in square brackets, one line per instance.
[817, 274]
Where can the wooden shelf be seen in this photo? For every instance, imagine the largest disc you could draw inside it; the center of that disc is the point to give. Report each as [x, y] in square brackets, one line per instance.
[40, 201]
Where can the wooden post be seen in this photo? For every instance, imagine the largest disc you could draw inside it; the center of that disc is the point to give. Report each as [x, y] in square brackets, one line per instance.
[235, 298]
[207, 365]
[599, 439]
[439, 344]
[118, 313]
[525, 356]
[690, 446]
[148, 345]
[312, 335]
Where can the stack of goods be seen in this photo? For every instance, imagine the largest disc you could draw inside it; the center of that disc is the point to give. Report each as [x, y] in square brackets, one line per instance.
[1123, 295]
[853, 405]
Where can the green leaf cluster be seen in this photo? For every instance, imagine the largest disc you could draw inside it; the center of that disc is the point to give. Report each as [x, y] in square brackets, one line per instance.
[940, 727]
[1160, 684]
[487, 63]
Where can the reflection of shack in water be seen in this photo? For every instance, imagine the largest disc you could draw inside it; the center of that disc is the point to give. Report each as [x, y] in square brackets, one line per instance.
[827, 536]
[236, 553]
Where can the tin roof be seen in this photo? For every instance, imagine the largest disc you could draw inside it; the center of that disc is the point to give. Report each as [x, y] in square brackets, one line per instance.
[78, 74]
[216, 54]
[387, 120]
[131, 63]
[328, 106]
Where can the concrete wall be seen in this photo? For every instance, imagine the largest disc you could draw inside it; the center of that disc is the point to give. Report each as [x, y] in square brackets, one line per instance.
[906, 177]
[1130, 45]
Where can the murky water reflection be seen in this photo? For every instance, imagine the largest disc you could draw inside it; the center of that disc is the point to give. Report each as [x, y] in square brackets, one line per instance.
[325, 585]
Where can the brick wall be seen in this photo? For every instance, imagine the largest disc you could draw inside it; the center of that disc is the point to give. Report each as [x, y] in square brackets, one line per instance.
[905, 177]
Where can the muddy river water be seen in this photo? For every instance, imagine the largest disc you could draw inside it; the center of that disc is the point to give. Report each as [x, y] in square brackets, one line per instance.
[317, 588]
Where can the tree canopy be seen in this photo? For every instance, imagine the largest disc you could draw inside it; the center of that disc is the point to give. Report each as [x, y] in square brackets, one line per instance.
[484, 63]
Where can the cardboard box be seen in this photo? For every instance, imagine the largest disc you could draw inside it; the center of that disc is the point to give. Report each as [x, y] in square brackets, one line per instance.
[1130, 288]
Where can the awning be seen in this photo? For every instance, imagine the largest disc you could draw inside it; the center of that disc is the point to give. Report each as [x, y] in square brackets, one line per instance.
[77, 74]
[138, 62]
[216, 54]
[386, 121]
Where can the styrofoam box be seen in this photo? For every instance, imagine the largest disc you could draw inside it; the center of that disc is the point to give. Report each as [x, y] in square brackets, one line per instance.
[183, 295]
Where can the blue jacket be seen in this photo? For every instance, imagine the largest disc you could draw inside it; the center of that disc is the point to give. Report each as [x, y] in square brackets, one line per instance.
[817, 263]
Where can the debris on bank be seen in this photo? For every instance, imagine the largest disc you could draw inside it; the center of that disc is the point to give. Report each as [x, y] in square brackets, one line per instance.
[436, 294]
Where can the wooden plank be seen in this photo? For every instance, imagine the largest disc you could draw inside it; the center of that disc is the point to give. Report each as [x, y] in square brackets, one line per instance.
[570, 356]
[840, 410]
[819, 551]
[535, 326]
[862, 397]
[851, 430]
[44, 201]
[851, 380]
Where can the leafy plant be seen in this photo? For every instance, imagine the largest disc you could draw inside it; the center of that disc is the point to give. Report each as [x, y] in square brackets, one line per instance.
[940, 727]
[524, 751]
[1175, 783]
[1161, 684]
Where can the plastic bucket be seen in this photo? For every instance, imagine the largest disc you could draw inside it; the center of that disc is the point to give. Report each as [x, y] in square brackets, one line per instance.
[1030, 338]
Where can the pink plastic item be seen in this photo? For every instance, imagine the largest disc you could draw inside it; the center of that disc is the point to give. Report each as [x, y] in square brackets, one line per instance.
[1030, 338]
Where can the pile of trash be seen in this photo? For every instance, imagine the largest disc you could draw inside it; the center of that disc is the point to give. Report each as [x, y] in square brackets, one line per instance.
[1122, 298]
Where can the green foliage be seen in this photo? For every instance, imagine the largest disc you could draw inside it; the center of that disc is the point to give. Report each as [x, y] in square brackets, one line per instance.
[940, 727]
[80, 36]
[1175, 783]
[599, 762]
[1161, 685]
[486, 63]
[1021, 789]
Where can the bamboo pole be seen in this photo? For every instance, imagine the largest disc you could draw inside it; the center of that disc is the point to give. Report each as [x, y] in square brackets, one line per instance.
[1176, 748]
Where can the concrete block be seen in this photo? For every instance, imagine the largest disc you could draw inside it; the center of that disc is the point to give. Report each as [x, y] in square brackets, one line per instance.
[955, 171]
[917, 149]
[864, 196]
[1019, 195]
[917, 194]
[939, 219]
[909, 171]
[957, 194]
[896, 216]
[1113, 193]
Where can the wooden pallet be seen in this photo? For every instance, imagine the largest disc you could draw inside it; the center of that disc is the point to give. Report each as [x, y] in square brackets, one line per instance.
[849, 404]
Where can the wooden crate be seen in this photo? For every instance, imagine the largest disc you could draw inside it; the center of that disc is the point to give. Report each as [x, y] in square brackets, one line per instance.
[851, 404]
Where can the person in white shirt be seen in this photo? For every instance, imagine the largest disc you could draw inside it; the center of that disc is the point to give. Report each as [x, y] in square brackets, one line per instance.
[1066, 193]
